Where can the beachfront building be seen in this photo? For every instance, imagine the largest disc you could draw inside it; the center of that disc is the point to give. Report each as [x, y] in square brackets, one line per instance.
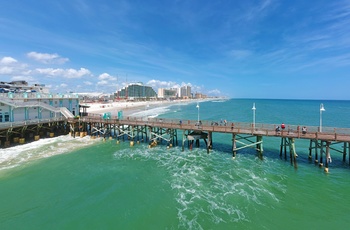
[185, 92]
[34, 104]
[136, 92]
[21, 87]
[167, 93]
[200, 96]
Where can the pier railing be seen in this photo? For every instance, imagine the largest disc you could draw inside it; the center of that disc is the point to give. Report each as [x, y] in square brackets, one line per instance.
[36, 95]
[7, 125]
[293, 131]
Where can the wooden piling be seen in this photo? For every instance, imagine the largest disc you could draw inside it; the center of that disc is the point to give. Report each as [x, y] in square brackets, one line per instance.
[345, 147]
[293, 152]
[183, 139]
[316, 151]
[310, 150]
[234, 146]
[321, 155]
[328, 156]
[209, 141]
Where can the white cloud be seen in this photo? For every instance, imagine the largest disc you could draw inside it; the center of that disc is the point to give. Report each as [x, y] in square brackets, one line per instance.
[47, 58]
[186, 84]
[107, 80]
[66, 73]
[106, 76]
[103, 82]
[10, 66]
[88, 83]
[6, 70]
[162, 84]
[63, 85]
[214, 92]
[156, 84]
[7, 61]
[259, 10]
[29, 79]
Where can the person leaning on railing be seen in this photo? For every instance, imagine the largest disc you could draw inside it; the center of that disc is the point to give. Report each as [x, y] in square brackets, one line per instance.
[303, 130]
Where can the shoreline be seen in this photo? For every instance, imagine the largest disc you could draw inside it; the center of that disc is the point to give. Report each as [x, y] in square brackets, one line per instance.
[130, 107]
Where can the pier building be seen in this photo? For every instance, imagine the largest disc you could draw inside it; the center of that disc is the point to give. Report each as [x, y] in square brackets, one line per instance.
[30, 114]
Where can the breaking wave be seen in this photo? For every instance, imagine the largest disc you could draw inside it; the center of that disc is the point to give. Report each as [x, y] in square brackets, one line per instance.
[46, 147]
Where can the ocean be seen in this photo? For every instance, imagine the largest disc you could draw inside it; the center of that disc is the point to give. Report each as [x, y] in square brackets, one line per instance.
[81, 183]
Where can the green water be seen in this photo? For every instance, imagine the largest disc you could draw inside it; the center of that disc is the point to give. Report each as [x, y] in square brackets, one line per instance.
[87, 189]
[67, 183]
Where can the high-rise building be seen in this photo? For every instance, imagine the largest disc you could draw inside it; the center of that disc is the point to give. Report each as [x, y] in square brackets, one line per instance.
[185, 92]
[136, 91]
[167, 93]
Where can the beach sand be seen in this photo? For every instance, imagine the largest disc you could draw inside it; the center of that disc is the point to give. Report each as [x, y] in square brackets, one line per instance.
[131, 108]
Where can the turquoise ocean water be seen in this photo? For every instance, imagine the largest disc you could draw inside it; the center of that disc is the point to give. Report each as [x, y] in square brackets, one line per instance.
[67, 183]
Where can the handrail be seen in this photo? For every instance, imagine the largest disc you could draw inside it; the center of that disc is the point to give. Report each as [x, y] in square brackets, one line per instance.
[6, 125]
[328, 133]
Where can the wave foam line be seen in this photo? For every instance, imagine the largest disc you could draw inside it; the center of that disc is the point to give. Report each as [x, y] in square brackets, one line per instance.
[46, 147]
[213, 188]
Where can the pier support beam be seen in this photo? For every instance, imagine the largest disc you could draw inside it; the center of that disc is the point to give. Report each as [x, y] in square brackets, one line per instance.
[183, 139]
[209, 143]
[259, 145]
[321, 154]
[160, 134]
[195, 136]
[328, 156]
[324, 147]
[246, 142]
[234, 147]
[289, 142]
[345, 147]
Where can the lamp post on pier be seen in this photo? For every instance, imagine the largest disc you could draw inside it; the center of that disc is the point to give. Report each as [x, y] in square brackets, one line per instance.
[321, 110]
[254, 115]
[198, 112]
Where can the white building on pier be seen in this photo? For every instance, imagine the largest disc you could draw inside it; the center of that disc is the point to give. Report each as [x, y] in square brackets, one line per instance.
[19, 106]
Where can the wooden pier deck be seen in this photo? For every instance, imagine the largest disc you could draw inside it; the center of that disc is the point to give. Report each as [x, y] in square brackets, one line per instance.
[291, 131]
[158, 129]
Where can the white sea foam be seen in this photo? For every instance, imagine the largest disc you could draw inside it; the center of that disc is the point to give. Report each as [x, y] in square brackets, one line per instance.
[219, 189]
[153, 112]
[46, 147]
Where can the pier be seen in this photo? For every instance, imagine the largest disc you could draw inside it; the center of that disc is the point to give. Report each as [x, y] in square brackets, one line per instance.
[158, 130]
[243, 135]
[33, 130]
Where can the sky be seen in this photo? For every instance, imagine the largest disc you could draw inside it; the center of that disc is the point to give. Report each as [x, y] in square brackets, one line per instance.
[277, 49]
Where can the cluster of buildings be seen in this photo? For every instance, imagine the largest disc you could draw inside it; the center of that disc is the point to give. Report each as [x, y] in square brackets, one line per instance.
[22, 102]
[140, 92]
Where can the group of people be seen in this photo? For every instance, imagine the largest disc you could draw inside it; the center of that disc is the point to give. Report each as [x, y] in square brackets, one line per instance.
[283, 126]
[278, 128]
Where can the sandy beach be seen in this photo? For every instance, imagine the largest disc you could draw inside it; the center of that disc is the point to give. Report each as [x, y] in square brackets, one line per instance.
[133, 108]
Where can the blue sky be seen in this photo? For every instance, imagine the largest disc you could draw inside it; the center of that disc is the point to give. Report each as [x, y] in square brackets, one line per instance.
[241, 49]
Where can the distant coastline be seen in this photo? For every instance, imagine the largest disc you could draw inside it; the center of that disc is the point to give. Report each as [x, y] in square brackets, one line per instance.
[131, 107]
